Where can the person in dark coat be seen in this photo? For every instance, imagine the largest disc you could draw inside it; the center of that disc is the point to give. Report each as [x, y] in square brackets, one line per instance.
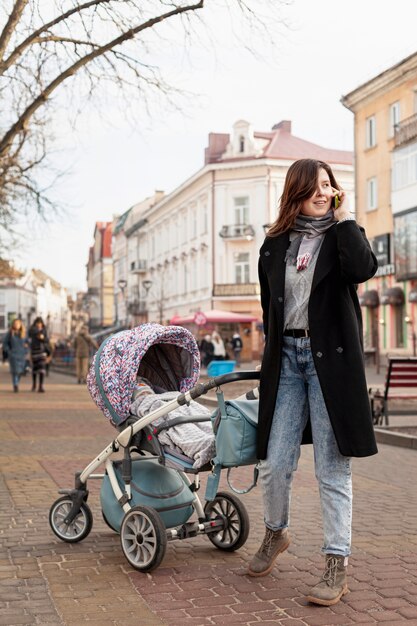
[206, 350]
[39, 352]
[237, 345]
[15, 345]
[313, 386]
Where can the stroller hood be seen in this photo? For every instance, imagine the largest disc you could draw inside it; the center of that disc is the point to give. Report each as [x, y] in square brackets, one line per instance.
[167, 356]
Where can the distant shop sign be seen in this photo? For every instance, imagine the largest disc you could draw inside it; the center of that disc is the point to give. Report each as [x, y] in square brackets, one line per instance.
[385, 270]
[200, 319]
[381, 249]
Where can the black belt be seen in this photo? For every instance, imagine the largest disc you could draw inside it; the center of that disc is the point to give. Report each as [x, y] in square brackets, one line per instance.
[297, 332]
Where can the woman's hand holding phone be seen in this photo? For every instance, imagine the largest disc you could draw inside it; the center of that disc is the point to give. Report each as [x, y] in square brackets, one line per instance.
[340, 204]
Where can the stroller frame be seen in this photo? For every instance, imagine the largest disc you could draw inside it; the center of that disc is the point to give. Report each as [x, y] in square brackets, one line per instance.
[143, 533]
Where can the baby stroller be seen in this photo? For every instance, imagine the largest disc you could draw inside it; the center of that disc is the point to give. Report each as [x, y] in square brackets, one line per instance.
[150, 495]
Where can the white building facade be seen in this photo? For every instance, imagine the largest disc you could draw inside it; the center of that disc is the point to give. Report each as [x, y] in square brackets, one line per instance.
[29, 294]
[197, 247]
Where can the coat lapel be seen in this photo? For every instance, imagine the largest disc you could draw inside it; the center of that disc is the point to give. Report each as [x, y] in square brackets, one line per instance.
[326, 258]
[273, 261]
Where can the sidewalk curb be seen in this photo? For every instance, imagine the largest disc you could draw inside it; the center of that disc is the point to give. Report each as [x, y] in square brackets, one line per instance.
[395, 438]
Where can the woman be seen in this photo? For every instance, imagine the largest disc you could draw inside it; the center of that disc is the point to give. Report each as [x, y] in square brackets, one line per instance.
[313, 386]
[39, 352]
[16, 347]
[219, 349]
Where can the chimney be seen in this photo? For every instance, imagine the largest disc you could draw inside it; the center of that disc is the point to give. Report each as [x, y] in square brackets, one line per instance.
[216, 148]
[285, 125]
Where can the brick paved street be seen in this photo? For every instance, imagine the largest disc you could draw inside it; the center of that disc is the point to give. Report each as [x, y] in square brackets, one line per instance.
[46, 437]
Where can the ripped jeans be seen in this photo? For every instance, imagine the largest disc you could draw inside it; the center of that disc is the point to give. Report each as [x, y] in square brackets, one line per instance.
[300, 394]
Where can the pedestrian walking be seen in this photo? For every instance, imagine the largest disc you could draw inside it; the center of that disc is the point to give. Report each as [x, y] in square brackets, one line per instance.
[237, 345]
[83, 342]
[219, 349]
[15, 347]
[206, 350]
[313, 387]
[39, 353]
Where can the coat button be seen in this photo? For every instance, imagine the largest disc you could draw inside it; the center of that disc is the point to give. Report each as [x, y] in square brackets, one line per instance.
[339, 349]
[280, 299]
[267, 253]
[319, 354]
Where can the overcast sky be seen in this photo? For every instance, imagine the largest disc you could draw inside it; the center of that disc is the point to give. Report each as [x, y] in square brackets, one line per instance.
[329, 49]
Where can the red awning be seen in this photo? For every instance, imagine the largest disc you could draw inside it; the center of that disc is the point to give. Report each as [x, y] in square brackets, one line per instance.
[215, 316]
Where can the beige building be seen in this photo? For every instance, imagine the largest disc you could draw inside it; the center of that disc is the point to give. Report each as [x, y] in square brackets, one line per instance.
[196, 249]
[100, 294]
[385, 110]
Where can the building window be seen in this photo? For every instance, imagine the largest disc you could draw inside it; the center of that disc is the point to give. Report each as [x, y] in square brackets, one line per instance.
[184, 228]
[205, 219]
[242, 210]
[241, 144]
[185, 278]
[404, 167]
[405, 245]
[241, 267]
[371, 132]
[372, 193]
[394, 118]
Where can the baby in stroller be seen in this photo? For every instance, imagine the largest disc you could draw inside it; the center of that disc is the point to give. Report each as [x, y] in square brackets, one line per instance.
[142, 369]
[194, 440]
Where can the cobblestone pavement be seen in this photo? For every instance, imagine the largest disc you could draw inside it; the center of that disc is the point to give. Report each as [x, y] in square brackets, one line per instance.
[46, 437]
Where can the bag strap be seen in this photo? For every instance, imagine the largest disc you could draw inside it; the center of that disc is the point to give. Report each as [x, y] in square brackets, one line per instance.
[212, 484]
[254, 482]
[221, 402]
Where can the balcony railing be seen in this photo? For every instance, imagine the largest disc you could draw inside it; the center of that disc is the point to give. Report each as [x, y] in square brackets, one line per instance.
[236, 289]
[237, 231]
[138, 266]
[406, 130]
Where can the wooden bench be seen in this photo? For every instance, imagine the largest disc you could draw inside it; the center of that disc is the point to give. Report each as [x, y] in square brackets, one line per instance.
[400, 384]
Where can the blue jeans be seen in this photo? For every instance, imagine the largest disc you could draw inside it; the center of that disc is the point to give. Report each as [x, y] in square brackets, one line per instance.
[300, 395]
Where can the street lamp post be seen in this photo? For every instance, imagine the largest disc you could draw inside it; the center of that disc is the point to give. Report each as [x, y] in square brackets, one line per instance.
[146, 284]
[410, 323]
[122, 284]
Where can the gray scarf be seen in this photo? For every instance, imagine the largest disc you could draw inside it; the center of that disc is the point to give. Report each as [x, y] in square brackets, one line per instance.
[303, 247]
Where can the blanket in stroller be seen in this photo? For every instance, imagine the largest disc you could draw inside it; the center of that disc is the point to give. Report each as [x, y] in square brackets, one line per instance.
[195, 440]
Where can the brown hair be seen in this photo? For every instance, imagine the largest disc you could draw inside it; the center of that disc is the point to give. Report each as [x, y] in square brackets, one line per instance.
[300, 184]
[21, 331]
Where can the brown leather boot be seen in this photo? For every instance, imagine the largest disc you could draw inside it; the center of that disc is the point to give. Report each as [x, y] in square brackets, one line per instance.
[333, 584]
[274, 542]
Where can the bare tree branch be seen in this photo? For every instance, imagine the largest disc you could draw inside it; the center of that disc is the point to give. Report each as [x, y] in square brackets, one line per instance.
[23, 120]
[10, 26]
[114, 46]
[34, 37]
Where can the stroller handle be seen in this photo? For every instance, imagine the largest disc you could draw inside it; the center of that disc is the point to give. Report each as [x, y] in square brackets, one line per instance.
[201, 388]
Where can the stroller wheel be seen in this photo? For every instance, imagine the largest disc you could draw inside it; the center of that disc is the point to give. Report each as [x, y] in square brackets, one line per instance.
[76, 530]
[143, 538]
[235, 531]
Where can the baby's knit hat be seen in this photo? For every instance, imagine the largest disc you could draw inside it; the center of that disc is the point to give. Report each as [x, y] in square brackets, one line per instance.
[143, 388]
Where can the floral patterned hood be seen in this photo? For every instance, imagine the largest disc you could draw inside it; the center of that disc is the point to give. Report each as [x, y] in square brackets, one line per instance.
[167, 356]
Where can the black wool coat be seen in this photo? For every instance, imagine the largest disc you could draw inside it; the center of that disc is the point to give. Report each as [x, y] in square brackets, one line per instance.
[335, 321]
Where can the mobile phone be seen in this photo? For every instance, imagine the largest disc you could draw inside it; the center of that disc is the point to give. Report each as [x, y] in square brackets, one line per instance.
[336, 201]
